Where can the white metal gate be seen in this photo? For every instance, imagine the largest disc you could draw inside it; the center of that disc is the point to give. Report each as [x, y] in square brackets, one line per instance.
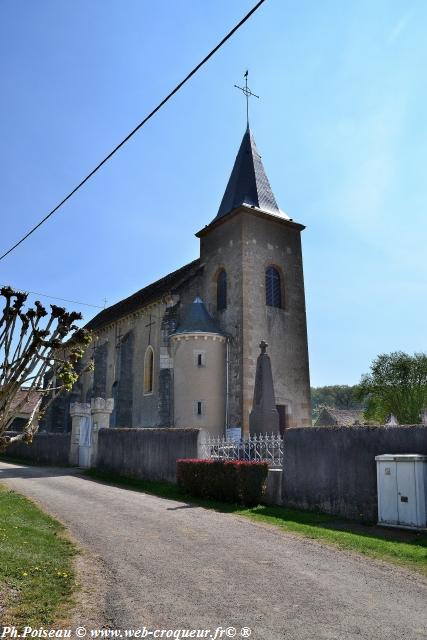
[268, 448]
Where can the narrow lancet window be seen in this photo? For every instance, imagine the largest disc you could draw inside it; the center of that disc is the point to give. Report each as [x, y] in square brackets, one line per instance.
[273, 288]
[148, 370]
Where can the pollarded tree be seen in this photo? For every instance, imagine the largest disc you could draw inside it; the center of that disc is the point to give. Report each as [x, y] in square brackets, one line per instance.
[396, 384]
[39, 355]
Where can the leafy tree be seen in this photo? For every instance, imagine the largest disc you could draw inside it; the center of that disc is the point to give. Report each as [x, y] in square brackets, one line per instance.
[39, 358]
[396, 384]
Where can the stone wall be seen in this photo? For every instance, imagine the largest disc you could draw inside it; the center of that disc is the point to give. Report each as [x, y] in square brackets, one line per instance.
[274, 242]
[193, 383]
[46, 448]
[124, 404]
[100, 371]
[149, 454]
[120, 357]
[222, 249]
[333, 469]
[244, 245]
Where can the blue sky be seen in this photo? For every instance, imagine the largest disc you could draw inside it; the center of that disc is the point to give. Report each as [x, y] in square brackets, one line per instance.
[340, 125]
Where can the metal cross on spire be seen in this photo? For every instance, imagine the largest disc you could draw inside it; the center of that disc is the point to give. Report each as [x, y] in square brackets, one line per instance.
[248, 94]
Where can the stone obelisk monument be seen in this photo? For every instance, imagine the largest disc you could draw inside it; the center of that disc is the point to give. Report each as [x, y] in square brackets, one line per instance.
[264, 417]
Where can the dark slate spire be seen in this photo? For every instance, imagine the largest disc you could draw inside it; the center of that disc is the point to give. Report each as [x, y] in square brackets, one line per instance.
[197, 319]
[248, 184]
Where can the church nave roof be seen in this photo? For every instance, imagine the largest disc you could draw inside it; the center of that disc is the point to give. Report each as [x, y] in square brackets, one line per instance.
[144, 296]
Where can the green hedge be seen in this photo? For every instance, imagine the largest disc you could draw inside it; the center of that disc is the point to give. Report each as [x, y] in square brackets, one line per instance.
[225, 480]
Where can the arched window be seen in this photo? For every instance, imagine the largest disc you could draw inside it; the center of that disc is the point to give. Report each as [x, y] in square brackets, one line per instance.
[221, 291]
[273, 289]
[148, 370]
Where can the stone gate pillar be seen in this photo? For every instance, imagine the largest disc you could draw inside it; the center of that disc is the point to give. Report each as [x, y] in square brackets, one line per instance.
[101, 410]
[78, 410]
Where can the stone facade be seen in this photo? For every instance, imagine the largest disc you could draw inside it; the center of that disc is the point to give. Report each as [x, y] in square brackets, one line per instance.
[245, 244]
[244, 241]
[199, 388]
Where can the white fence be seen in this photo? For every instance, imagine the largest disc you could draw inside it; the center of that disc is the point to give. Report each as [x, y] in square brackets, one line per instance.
[268, 448]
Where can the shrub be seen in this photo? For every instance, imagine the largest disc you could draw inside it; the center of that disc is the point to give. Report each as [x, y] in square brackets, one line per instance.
[189, 474]
[225, 480]
[252, 479]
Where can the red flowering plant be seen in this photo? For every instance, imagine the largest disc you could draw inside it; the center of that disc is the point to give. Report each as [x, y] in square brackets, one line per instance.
[236, 481]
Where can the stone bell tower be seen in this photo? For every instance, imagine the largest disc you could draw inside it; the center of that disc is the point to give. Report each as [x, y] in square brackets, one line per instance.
[254, 286]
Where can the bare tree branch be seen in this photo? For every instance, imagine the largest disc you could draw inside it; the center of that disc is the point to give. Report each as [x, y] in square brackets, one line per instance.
[39, 356]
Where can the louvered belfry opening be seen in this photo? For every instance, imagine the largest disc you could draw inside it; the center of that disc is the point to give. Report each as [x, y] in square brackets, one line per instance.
[273, 289]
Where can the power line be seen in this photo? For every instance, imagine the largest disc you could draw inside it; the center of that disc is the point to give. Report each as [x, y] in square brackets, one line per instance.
[45, 295]
[132, 133]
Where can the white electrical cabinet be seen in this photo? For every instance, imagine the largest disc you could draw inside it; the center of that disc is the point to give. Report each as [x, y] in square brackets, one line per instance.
[402, 490]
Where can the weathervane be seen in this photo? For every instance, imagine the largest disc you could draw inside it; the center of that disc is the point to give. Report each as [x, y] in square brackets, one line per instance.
[248, 93]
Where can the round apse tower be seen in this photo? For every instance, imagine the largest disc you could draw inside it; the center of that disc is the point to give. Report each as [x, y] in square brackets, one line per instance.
[199, 356]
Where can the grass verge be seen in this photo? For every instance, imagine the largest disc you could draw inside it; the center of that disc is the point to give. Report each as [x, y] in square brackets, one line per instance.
[405, 548]
[36, 569]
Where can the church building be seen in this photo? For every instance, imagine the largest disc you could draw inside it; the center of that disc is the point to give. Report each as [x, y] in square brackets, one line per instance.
[182, 351]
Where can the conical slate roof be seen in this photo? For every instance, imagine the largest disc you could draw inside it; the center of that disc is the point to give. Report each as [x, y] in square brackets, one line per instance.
[197, 319]
[248, 184]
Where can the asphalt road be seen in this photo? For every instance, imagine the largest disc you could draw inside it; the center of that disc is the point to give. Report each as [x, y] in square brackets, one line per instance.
[172, 565]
